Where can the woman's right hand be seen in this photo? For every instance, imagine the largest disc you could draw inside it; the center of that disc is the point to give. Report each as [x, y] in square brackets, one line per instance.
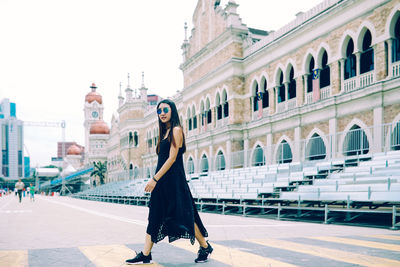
[150, 186]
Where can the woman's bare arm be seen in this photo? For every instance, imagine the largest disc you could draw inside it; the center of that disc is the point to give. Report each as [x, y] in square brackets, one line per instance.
[173, 153]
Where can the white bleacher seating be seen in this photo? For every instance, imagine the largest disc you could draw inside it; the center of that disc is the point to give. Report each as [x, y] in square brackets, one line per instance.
[374, 178]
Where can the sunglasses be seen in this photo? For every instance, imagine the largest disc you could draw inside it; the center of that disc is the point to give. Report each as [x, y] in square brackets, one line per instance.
[165, 110]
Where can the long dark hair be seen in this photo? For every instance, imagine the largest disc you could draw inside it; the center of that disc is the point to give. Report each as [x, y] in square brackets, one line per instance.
[174, 122]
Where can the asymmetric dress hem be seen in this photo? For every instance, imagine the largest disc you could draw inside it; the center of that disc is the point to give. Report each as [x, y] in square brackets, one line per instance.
[172, 211]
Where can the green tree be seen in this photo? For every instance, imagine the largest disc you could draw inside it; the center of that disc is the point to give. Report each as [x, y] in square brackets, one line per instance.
[99, 170]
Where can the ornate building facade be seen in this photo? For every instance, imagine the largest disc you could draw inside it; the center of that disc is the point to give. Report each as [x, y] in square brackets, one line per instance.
[324, 86]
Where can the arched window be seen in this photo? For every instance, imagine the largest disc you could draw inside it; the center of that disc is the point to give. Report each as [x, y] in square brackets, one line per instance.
[203, 113]
[265, 95]
[258, 156]
[219, 107]
[204, 163]
[395, 137]
[325, 75]
[292, 85]
[311, 67]
[190, 166]
[194, 118]
[130, 138]
[155, 134]
[220, 161]
[208, 111]
[255, 96]
[130, 170]
[350, 61]
[136, 172]
[367, 54]
[135, 139]
[149, 140]
[396, 42]
[355, 142]
[190, 126]
[281, 88]
[225, 104]
[315, 149]
[284, 153]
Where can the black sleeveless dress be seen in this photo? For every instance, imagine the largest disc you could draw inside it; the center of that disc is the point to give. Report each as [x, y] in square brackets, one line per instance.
[172, 211]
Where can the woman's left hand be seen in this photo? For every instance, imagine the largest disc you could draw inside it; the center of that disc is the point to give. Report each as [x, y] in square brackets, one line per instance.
[150, 186]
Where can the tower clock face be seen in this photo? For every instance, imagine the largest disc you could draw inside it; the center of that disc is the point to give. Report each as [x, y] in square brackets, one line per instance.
[95, 114]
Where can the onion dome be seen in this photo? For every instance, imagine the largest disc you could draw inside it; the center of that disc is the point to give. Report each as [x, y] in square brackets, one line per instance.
[74, 150]
[99, 127]
[93, 95]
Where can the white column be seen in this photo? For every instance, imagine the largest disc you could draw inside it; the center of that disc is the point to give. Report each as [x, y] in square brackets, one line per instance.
[390, 48]
[305, 79]
[332, 139]
[341, 75]
[377, 135]
[196, 160]
[228, 152]
[270, 150]
[245, 151]
[297, 144]
[358, 63]
[286, 92]
[211, 159]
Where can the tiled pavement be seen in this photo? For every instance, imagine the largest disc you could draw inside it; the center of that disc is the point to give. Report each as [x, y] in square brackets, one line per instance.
[60, 231]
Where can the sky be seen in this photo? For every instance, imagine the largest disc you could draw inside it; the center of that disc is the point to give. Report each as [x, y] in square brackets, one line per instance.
[52, 50]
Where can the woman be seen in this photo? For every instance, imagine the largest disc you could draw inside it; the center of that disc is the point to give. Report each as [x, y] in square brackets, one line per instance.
[172, 211]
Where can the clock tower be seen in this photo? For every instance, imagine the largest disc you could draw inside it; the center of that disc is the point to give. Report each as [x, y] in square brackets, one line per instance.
[93, 110]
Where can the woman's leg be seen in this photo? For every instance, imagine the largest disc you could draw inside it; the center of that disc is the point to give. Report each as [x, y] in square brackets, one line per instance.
[148, 245]
[200, 238]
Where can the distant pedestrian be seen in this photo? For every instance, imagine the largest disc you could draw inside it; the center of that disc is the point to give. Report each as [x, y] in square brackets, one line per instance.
[20, 187]
[32, 192]
[172, 211]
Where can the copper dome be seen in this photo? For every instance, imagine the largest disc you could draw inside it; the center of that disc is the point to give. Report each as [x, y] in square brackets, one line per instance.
[99, 127]
[93, 95]
[74, 150]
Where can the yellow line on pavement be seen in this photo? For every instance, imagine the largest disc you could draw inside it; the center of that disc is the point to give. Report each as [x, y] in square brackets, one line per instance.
[14, 258]
[356, 242]
[390, 237]
[233, 257]
[110, 255]
[333, 254]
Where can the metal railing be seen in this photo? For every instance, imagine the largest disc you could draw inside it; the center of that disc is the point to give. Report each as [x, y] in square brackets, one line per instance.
[350, 84]
[222, 122]
[395, 67]
[291, 103]
[325, 92]
[366, 79]
[353, 142]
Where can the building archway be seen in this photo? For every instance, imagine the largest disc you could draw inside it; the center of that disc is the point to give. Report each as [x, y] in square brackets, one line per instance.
[355, 142]
[315, 149]
[284, 153]
[220, 161]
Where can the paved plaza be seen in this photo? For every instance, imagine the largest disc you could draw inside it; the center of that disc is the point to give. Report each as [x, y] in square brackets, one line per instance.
[62, 231]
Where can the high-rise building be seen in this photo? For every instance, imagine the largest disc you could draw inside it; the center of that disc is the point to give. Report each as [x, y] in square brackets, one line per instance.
[11, 142]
